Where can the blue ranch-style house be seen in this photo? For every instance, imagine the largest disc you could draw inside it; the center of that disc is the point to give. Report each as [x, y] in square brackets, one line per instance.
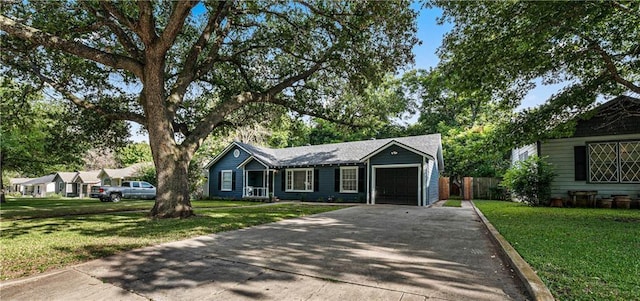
[385, 171]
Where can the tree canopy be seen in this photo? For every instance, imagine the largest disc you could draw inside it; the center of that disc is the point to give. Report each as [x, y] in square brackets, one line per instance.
[503, 47]
[185, 69]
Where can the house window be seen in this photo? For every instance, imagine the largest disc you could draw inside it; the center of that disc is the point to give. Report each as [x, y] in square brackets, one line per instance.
[523, 156]
[614, 162]
[349, 179]
[629, 161]
[226, 180]
[300, 180]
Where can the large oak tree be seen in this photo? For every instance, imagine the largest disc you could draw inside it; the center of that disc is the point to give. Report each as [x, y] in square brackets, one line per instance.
[184, 69]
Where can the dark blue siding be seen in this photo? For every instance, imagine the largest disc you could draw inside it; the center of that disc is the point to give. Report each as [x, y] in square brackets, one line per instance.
[326, 188]
[228, 162]
[433, 183]
[254, 165]
[403, 156]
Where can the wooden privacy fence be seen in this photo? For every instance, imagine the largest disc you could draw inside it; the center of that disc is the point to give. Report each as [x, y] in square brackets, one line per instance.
[443, 187]
[487, 189]
[473, 188]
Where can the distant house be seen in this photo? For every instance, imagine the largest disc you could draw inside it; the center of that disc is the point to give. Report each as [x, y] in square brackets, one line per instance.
[396, 171]
[16, 185]
[66, 186]
[602, 156]
[114, 177]
[85, 180]
[42, 186]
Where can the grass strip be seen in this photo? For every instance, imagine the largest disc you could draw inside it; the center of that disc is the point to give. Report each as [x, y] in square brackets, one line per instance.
[580, 253]
[37, 245]
[29, 208]
[453, 203]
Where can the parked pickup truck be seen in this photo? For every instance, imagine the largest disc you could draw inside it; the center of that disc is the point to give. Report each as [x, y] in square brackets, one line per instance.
[128, 190]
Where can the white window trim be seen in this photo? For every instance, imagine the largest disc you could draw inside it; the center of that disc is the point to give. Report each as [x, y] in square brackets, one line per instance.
[290, 171]
[342, 190]
[222, 172]
[618, 162]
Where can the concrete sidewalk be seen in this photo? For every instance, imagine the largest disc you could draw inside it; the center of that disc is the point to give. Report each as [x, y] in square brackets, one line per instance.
[360, 253]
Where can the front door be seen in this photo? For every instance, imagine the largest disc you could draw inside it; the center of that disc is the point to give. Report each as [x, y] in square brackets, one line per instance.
[396, 186]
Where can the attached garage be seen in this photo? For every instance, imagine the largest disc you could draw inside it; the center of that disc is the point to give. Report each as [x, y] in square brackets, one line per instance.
[397, 185]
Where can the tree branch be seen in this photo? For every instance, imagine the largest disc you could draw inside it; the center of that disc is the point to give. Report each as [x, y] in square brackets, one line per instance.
[85, 104]
[39, 37]
[188, 74]
[611, 67]
[118, 15]
[146, 23]
[181, 10]
[125, 40]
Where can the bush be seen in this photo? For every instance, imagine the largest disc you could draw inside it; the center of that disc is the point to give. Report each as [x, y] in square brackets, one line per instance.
[530, 180]
[53, 195]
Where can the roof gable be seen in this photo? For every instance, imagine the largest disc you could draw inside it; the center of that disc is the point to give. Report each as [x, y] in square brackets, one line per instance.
[618, 116]
[395, 143]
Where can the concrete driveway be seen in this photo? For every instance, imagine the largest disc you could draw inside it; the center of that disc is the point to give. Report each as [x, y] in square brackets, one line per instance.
[359, 253]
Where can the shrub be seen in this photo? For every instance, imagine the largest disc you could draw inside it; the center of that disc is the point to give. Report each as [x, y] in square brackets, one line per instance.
[530, 180]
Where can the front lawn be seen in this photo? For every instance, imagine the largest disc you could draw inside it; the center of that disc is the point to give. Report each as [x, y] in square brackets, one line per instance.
[26, 208]
[31, 246]
[580, 253]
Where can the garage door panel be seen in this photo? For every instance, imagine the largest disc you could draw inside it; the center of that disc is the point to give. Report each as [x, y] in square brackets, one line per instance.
[397, 186]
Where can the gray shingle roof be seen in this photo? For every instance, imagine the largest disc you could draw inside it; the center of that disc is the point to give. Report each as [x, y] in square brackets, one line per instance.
[87, 176]
[41, 180]
[341, 153]
[67, 177]
[126, 172]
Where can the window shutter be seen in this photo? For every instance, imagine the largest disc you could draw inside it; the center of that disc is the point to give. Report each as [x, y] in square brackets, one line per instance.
[233, 181]
[283, 177]
[336, 178]
[316, 179]
[580, 162]
[361, 179]
[219, 180]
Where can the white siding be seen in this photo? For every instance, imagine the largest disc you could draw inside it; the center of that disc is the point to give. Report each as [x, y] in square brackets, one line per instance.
[560, 155]
[527, 150]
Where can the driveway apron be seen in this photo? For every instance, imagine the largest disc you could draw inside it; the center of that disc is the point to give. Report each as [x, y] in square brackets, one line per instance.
[380, 252]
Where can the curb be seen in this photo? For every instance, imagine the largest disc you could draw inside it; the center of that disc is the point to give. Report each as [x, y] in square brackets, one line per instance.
[527, 275]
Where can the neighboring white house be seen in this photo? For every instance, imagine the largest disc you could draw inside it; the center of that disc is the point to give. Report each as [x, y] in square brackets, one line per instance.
[16, 185]
[42, 186]
[603, 154]
[114, 177]
[85, 180]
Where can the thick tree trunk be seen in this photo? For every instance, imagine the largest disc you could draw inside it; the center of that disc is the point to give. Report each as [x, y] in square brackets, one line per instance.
[2, 198]
[172, 196]
[171, 161]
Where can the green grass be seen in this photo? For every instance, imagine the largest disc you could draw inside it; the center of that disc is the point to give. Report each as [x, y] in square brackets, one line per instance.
[453, 203]
[31, 246]
[580, 253]
[27, 208]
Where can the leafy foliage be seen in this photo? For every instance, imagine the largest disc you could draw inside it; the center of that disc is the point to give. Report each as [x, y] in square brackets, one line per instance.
[147, 173]
[133, 153]
[530, 180]
[468, 121]
[502, 47]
